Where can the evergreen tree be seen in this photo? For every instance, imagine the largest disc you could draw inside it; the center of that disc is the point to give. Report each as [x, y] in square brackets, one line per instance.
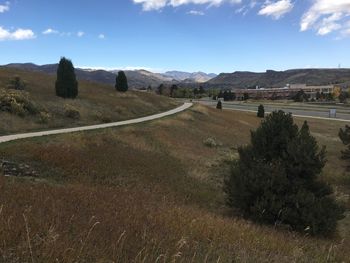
[219, 105]
[343, 97]
[160, 89]
[66, 83]
[121, 82]
[276, 179]
[173, 89]
[261, 111]
[344, 136]
[245, 96]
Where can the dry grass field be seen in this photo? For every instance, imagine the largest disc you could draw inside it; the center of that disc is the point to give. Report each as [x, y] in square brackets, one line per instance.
[96, 103]
[151, 193]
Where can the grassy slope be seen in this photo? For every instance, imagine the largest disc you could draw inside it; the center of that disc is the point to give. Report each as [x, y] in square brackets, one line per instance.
[150, 192]
[96, 103]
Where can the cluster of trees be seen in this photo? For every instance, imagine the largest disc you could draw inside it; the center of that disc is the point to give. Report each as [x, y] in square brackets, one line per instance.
[66, 85]
[276, 179]
[226, 95]
[301, 96]
[175, 91]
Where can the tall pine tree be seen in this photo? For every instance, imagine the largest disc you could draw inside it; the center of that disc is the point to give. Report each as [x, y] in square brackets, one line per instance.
[66, 83]
[121, 82]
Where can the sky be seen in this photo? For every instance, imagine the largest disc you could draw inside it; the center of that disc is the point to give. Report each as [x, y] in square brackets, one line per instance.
[188, 35]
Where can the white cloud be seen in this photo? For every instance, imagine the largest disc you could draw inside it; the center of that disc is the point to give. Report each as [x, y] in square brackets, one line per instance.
[148, 5]
[50, 31]
[80, 34]
[276, 9]
[101, 36]
[5, 7]
[196, 13]
[325, 17]
[18, 34]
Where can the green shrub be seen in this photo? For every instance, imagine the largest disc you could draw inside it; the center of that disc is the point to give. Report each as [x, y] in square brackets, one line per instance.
[211, 142]
[17, 102]
[276, 179]
[219, 105]
[44, 117]
[16, 83]
[71, 112]
[261, 111]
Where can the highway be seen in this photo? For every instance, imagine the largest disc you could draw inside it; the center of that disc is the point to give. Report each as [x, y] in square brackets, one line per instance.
[307, 110]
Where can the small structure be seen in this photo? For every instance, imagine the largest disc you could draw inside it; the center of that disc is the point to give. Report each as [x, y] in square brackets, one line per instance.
[333, 113]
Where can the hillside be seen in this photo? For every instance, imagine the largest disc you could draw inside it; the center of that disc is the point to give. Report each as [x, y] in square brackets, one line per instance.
[272, 78]
[150, 192]
[96, 103]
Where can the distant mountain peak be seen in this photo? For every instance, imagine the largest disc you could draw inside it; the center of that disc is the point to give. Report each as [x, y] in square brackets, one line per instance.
[190, 77]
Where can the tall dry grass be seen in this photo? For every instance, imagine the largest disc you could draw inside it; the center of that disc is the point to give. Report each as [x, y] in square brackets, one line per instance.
[42, 223]
[148, 193]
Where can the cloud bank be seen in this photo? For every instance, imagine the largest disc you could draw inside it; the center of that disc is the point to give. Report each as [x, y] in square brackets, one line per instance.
[5, 7]
[148, 5]
[327, 16]
[19, 34]
[276, 9]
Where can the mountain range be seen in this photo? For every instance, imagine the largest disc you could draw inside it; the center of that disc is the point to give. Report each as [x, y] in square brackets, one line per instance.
[271, 78]
[190, 77]
[136, 78]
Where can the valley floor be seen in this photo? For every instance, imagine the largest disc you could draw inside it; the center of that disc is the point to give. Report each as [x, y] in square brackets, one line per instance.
[151, 192]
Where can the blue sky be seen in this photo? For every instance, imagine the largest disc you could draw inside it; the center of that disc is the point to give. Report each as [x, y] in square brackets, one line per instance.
[189, 35]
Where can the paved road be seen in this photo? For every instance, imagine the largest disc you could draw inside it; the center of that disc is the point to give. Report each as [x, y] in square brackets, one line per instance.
[8, 138]
[343, 114]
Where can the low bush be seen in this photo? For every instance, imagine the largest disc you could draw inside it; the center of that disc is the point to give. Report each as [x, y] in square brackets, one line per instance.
[71, 112]
[44, 117]
[16, 83]
[211, 142]
[17, 102]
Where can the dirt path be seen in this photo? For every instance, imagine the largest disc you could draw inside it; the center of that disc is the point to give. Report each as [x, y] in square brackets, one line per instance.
[13, 137]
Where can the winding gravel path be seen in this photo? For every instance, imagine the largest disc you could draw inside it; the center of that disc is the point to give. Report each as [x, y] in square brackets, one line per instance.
[13, 137]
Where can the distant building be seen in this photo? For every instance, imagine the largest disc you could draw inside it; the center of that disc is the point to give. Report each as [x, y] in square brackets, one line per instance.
[287, 92]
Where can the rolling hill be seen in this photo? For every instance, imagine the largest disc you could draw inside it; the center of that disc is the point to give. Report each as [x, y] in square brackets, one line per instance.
[271, 78]
[96, 103]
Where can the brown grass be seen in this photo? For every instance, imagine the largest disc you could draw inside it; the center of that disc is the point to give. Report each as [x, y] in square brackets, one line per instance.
[96, 103]
[149, 193]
